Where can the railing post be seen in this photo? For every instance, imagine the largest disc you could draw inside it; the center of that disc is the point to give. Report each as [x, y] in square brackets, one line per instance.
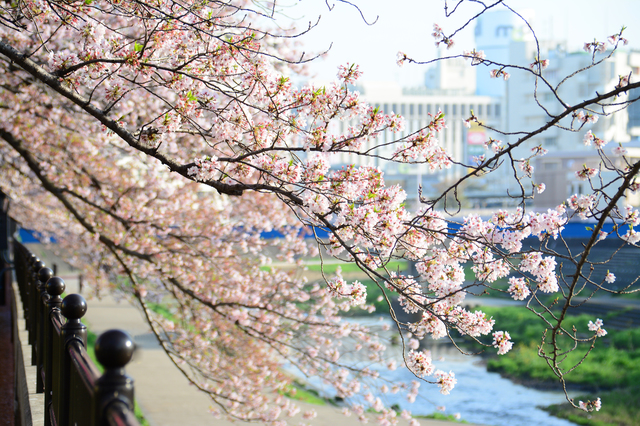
[29, 260]
[54, 288]
[42, 350]
[35, 309]
[73, 309]
[114, 349]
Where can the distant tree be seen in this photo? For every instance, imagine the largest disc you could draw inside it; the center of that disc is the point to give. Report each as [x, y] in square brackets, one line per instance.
[157, 140]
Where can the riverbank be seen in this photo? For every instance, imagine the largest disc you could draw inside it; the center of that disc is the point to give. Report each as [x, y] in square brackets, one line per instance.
[609, 372]
[619, 408]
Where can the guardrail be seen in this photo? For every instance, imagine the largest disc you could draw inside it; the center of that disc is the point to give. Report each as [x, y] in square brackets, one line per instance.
[75, 393]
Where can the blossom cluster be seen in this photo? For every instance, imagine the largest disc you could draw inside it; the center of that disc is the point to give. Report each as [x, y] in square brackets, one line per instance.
[582, 204]
[590, 405]
[542, 63]
[221, 111]
[476, 56]
[586, 173]
[585, 117]
[590, 138]
[502, 341]
[595, 46]
[440, 37]
[419, 362]
[496, 73]
[597, 327]
[518, 288]
[446, 381]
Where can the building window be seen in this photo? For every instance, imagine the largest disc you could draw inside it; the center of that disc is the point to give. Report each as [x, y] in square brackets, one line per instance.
[497, 110]
[489, 110]
[437, 108]
[403, 109]
[634, 109]
[429, 109]
[411, 109]
[385, 107]
[454, 109]
[504, 31]
[480, 109]
[446, 109]
[420, 110]
[463, 110]
[394, 108]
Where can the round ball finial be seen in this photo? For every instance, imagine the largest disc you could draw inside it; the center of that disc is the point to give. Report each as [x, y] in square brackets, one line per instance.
[55, 285]
[73, 306]
[114, 348]
[44, 274]
[38, 265]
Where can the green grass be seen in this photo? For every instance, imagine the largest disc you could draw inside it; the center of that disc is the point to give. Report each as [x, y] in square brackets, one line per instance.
[298, 392]
[161, 309]
[440, 416]
[330, 268]
[373, 294]
[612, 363]
[610, 371]
[619, 408]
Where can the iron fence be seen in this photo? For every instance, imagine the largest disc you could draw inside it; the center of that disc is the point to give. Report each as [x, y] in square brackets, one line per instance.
[75, 393]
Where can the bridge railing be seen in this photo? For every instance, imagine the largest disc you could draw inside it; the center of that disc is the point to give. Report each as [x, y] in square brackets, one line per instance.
[75, 393]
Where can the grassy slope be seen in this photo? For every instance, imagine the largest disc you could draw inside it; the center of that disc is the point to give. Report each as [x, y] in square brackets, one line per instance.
[610, 372]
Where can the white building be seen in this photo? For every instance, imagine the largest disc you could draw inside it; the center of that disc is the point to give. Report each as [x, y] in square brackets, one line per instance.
[452, 76]
[530, 103]
[416, 105]
[494, 33]
[520, 104]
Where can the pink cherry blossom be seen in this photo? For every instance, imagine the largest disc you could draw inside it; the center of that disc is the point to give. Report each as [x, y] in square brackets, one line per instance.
[446, 381]
[518, 288]
[502, 341]
[590, 405]
[476, 56]
[586, 173]
[597, 327]
[164, 149]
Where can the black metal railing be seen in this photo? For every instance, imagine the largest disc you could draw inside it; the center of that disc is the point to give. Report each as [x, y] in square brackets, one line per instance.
[75, 393]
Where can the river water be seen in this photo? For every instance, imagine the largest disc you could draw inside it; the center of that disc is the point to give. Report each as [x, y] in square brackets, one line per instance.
[481, 397]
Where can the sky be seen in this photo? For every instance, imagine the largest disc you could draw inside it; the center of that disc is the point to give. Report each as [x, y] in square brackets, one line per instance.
[406, 25]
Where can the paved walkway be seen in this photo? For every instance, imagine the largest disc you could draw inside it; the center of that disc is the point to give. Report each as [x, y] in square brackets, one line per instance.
[163, 393]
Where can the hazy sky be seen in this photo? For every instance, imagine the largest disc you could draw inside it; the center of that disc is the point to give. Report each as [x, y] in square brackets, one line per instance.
[406, 25]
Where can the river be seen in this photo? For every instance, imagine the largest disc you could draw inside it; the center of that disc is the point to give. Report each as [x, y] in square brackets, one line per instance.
[480, 396]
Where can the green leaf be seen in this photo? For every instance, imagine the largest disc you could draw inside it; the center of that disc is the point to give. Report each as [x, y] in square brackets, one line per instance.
[137, 47]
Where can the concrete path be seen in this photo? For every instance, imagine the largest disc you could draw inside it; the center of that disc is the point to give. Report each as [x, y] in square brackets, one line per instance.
[163, 393]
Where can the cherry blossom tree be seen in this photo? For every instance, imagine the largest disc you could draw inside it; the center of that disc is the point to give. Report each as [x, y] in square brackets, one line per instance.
[156, 141]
